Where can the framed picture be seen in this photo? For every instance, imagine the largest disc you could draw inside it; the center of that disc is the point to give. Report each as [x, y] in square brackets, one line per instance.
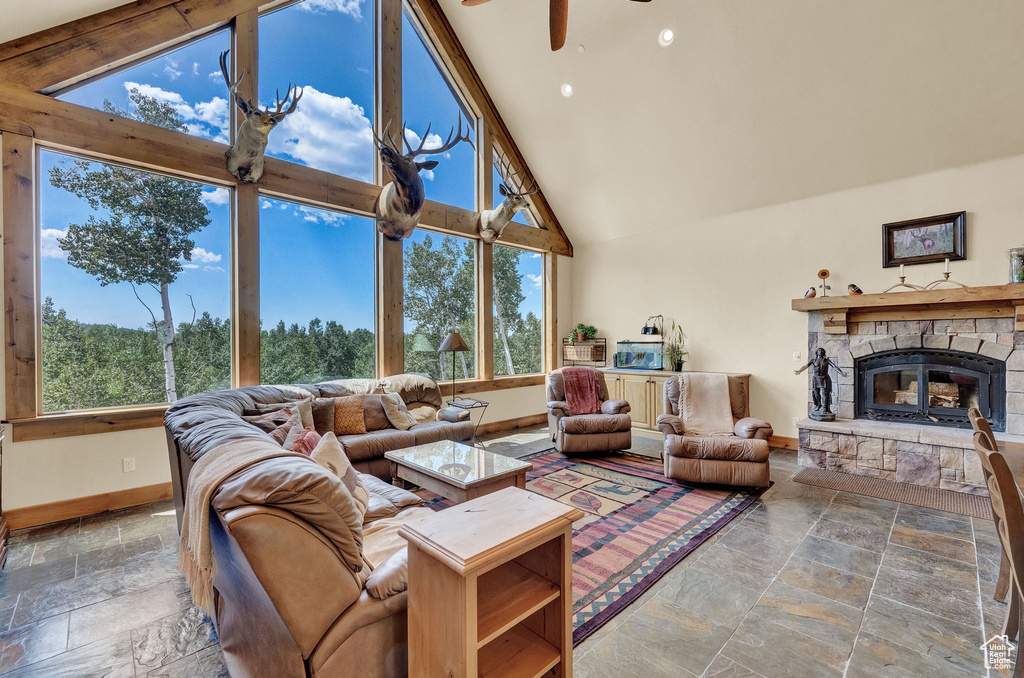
[924, 241]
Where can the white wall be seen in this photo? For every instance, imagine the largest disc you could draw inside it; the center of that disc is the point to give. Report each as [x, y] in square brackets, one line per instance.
[730, 280]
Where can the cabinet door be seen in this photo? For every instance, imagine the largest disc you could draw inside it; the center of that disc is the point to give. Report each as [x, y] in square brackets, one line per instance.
[657, 399]
[614, 387]
[636, 391]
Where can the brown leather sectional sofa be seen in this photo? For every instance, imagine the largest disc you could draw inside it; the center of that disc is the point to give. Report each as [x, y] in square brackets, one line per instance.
[294, 572]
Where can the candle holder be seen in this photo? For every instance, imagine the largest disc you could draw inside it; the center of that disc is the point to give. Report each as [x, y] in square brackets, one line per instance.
[945, 279]
[903, 283]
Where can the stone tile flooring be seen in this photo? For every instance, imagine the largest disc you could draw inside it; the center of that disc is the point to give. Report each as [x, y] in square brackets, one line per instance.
[806, 582]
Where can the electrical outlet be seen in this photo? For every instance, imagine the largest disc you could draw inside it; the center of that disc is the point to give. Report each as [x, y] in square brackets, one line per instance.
[129, 464]
[796, 356]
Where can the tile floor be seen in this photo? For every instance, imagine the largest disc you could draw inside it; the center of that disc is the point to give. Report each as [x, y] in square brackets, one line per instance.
[807, 582]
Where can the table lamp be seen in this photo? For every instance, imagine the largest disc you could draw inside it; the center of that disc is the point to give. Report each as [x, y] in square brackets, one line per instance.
[453, 343]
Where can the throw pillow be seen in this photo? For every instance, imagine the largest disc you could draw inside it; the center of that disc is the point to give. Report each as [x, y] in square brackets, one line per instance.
[280, 433]
[306, 442]
[303, 407]
[374, 416]
[268, 421]
[348, 415]
[396, 411]
[330, 454]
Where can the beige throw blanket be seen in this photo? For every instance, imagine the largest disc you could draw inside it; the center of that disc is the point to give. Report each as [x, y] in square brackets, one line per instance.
[195, 553]
[704, 404]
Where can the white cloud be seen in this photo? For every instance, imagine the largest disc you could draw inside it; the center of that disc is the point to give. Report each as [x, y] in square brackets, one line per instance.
[195, 68]
[266, 204]
[327, 132]
[433, 141]
[537, 280]
[171, 69]
[216, 76]
[190, 266]
[216, 269]
[218, 196]
[208, 119]
[48, 246]
[318, 216]
[350, 7]
[205, 257]
[535, 255]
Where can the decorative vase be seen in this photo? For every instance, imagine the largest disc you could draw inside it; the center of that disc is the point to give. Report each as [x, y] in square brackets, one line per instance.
[1017, 265]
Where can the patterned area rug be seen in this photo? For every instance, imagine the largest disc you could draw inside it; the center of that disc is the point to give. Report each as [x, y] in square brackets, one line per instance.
[638, 525]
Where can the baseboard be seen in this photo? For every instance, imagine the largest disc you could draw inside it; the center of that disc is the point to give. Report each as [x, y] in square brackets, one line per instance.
[784, 442]
[40, 514]
[509, 424]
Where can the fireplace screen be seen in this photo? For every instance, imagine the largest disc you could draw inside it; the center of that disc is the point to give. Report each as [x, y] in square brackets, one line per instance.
[930, 387]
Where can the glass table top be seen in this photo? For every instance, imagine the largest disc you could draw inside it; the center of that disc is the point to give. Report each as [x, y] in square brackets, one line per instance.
[460, 464]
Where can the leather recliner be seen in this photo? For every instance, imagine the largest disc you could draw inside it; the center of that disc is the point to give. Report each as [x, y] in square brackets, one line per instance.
[608, 430]
[740, 459]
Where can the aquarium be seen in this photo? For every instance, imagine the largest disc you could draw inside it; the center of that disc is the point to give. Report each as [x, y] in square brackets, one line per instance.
[640, 355]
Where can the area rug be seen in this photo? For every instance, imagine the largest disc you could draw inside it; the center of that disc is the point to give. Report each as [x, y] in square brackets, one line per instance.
[637, 526]
[880, 488]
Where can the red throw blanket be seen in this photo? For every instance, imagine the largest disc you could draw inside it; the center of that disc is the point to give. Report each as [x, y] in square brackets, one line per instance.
[581, 390]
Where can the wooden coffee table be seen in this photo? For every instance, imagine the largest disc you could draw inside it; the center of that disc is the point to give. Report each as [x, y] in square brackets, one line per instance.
[456, 471]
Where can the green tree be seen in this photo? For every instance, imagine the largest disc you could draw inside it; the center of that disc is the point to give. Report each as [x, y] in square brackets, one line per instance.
[146, 231]
[508, 294]
[440, 297]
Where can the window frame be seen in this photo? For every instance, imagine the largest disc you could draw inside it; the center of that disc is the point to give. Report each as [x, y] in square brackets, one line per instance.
[113, 40]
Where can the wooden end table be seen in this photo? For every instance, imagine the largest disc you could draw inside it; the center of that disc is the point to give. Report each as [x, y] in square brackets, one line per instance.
[490, 588]
[456, 471]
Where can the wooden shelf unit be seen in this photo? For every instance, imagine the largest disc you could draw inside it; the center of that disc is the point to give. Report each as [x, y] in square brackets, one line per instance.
[490, 588]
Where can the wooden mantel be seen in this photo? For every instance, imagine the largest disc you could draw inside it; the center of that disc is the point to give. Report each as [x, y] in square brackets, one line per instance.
[995, 301]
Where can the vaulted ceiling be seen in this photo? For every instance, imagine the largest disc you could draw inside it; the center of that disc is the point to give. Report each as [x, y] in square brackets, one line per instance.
[754, 103]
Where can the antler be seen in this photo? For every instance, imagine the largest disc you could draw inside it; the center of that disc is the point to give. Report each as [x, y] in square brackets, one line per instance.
[508, 178]
[245, 104]
[387, 139]
[452, 141]
[294, 93]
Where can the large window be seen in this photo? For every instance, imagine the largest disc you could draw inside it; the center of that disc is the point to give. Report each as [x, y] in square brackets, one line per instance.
[182, 90]
[325, 47]
[440, 297]
[316, 294]
[135, 285]
[518, 311]
[429, 99]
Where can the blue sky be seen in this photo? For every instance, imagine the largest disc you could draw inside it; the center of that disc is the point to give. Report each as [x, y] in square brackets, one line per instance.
[314, 263]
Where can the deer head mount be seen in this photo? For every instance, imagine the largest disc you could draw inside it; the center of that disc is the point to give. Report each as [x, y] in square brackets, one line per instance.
[245, 157]
[493, 222]
[401, 201]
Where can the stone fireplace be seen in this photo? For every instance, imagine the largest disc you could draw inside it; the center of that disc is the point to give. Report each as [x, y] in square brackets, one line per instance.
[915, 362]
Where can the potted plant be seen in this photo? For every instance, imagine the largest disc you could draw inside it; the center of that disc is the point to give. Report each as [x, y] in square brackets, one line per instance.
[675, 348]
[582, 332]
[587, 353]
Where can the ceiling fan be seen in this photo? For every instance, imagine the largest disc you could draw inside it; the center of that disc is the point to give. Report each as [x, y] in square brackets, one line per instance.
[558, 19]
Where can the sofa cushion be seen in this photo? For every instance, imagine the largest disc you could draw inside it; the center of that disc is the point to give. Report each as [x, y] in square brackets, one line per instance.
[724, 448]
[267, 421]
[291, 427]
[390, 577]
[304, 408]
[330, 455]
[421, 413]
[595, 423]
[434, 431]
[374, 444]
[381, 539]
[386, 500]
[348, 415]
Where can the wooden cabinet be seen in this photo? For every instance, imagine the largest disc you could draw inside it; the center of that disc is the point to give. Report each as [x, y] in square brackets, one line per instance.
[5, 530]
[490, 588]
[645, 393]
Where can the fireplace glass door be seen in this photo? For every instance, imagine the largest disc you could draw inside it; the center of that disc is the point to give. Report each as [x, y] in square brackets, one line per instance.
[931, 387]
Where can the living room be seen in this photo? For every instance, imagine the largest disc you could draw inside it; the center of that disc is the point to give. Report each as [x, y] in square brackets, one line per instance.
[558, 261]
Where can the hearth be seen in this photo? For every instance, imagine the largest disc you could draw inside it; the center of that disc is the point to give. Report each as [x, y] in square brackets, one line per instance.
[930, 386]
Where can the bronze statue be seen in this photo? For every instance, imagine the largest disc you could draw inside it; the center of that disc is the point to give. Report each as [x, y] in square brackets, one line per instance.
[821, 385]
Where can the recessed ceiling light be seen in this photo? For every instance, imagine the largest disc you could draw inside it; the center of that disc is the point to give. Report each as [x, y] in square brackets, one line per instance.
[666, 37]
[581, 49]
[566, 89]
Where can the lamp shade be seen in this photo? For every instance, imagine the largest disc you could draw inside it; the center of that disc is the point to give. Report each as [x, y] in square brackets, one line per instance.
[453, 342]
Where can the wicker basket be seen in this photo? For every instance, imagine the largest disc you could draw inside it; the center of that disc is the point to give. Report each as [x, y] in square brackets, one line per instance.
[583, 352]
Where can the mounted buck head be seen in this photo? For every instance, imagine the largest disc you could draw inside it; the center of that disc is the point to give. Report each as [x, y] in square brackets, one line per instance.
[493, 222]
[245, 157]
[401, 201]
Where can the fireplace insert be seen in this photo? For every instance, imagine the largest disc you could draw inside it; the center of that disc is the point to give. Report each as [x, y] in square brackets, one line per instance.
[930, 386]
